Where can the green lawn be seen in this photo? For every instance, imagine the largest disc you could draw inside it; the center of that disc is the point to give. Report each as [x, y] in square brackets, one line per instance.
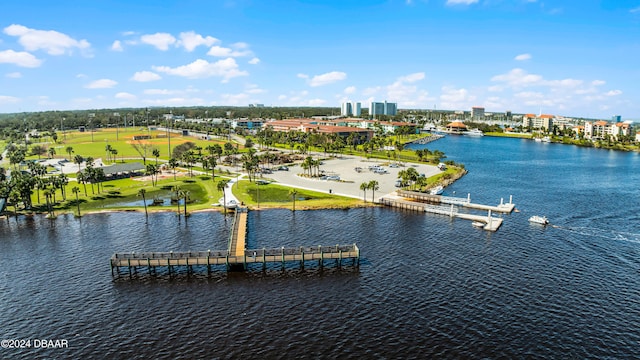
[272, 195]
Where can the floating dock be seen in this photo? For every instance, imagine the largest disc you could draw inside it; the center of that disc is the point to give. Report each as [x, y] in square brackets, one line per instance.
[444, 205]
[236, 257]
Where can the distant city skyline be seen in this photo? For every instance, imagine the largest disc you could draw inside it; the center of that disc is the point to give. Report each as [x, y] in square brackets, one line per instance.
[569, 59]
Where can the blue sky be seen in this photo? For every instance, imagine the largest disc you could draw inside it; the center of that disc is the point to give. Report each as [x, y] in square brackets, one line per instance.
[571, 58]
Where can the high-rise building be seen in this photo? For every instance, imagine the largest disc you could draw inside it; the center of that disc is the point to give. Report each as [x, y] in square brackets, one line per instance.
[345, 109]
[350, 109]
[477, 113]
[383, 108]
[356, 109]
[616, 118]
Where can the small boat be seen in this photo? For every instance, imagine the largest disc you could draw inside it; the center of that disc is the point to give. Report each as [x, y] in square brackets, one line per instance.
[542, 220]
[474, 132]
[436, 190]
[231, 204]
[478, 224]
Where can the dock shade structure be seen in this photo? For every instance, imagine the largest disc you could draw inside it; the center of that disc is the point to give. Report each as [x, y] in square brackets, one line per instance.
[121, 171]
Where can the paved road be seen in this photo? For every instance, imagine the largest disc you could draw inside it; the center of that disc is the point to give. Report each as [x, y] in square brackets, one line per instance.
[350, 179]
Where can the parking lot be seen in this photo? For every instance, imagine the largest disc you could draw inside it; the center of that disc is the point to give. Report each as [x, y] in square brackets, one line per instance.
[351, 171]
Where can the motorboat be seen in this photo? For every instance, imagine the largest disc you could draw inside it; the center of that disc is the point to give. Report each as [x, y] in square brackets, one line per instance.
[436, 190]
[478, 224]
[542, 220]
[474, 132]
[231, 203]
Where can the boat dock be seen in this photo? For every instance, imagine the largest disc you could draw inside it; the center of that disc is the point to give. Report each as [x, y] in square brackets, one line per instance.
[448, 206]
[465, 202]
[235, 258]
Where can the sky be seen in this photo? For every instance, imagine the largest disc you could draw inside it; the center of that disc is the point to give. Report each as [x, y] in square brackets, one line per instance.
[567, 58]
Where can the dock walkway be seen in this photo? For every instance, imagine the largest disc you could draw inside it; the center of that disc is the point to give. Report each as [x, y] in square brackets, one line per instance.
[236, 257]
[433, 204]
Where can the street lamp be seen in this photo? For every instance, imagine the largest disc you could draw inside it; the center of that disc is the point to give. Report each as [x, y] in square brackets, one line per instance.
[64, 135]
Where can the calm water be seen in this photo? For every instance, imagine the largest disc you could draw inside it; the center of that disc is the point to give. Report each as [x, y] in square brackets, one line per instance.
[427, 286]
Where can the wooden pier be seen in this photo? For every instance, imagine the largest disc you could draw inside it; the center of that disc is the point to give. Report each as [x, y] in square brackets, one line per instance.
[236, 257]
[434, 204]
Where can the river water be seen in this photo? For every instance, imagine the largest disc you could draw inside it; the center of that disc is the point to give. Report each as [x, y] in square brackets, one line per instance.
[427, 287]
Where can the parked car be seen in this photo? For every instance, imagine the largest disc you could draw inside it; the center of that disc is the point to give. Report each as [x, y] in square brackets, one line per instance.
[283, 168]
[332, 177]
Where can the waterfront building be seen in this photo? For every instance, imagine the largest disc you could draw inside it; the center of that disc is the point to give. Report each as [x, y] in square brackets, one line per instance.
[383, 108]
[456, 127]
[540, 122]
[600, 129]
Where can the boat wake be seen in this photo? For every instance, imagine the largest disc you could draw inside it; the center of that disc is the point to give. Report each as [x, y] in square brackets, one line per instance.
[602, 233]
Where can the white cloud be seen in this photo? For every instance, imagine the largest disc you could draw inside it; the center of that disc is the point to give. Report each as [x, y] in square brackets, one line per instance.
[327, 78]
[371, 90]
[349, 90]
[116, 46]
[452, 98]
[160, 40]
[412, 77]
[190, 40]
[518, 78]
[523, 57]
[235, 99]
[145, 76]
[19, 58]
[635, 10]
[239, 50]
[303, 76]
[226, 69]
[125, 96]
[461, 2]
[8, 99]
[254, 89]
[101, 84]
[254, 61]
[14, 75]
[598, 82]
[53, 42]
[282, 97]
[159, 92]
[316, 102]
[614, 92]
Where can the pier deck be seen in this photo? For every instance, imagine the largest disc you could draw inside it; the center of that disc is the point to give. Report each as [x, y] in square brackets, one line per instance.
[222, 257]
[236, 257]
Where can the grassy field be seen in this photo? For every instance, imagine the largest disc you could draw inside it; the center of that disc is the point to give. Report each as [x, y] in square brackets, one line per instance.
[94, 144]
[272, 195]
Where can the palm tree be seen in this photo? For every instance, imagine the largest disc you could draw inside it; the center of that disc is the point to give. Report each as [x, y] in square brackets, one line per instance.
[52, 152]
[222, 184]
[364, 187]
[293, 193]
[173, 164]
[143, 192]
[69, 151]
[76, 190]
[78, 159]
[156, 153]
[373, 185]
